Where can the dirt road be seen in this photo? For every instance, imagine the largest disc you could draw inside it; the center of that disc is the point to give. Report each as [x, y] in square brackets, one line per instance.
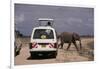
[63, 56]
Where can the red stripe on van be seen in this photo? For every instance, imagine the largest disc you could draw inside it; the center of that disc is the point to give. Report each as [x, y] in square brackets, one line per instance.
[33, 45]
[52, 45]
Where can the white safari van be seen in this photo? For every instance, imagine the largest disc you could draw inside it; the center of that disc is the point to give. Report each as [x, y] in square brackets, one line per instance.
[43, 39]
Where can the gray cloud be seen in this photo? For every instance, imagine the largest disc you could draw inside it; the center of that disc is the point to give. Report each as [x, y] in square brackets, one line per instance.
[19, 18]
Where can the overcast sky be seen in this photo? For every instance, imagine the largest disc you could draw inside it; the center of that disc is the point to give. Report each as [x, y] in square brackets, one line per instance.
[67, 19]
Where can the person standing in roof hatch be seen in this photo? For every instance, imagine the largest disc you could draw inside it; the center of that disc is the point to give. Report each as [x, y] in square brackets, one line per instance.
[49, 24]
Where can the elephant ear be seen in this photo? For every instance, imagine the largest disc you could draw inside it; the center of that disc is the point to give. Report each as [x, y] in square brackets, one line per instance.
[73, 36]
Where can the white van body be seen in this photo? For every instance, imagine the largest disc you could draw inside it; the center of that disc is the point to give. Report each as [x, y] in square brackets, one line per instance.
[42, 43]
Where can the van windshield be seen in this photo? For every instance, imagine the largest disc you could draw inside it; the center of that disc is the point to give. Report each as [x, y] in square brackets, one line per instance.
[43, 34]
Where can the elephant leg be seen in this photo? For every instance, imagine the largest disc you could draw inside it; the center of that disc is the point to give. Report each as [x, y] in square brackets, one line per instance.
[74, 42]
[80, 45]
[62, 45]
[59, 45]
[69, 45]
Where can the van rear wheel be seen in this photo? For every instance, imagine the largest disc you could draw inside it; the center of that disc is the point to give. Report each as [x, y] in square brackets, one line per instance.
[32, 55]
[54, 54]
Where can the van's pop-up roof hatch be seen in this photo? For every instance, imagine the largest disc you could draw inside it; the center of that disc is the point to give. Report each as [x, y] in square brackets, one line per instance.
[46, 21]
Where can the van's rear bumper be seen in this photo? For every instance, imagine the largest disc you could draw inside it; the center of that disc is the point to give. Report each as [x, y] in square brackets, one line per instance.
[37, 50]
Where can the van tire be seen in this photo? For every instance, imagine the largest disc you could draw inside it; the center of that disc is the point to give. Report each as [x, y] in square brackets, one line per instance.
[54, 54]
[31, 55]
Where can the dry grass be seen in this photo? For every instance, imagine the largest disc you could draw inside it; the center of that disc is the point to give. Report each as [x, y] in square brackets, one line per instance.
[88, 51]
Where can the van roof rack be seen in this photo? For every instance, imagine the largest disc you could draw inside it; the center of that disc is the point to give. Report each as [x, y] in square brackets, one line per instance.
[45, 19]
[49, 21]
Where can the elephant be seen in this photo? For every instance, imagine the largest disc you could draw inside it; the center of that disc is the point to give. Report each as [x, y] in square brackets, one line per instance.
[67, 37]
